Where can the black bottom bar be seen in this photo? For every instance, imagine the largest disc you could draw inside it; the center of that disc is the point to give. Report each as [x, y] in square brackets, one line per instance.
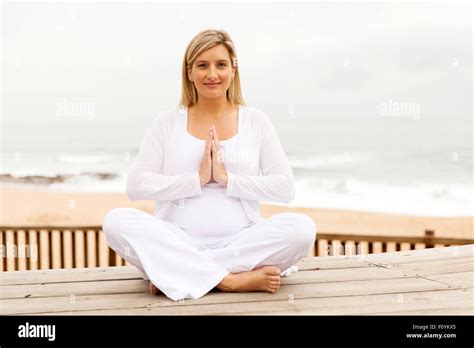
[240, 330]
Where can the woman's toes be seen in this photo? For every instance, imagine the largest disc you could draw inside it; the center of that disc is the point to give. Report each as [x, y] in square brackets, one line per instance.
[153, 290]
[273, 288]
[275, 271]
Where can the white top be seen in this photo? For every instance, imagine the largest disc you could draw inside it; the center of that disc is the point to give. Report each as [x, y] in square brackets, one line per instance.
[211, 215]
[259, 170]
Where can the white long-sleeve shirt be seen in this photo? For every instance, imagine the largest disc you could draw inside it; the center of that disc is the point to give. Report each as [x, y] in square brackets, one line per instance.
[259, 171]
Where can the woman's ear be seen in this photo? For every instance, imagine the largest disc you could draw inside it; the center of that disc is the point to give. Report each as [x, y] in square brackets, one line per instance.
[189, 75]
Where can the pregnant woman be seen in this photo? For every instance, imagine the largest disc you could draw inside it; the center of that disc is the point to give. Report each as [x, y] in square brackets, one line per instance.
[207, 164]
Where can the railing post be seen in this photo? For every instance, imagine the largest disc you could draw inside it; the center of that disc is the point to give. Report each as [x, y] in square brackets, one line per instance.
[429, 235]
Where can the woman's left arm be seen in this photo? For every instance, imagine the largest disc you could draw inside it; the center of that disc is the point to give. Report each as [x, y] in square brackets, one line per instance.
[276, 184]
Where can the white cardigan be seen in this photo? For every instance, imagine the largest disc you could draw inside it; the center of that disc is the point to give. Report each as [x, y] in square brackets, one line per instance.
[156, 172]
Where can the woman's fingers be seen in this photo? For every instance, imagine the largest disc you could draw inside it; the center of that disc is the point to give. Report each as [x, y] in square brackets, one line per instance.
[213, 134]
[209, 144]
[216, 138]
[215, 153]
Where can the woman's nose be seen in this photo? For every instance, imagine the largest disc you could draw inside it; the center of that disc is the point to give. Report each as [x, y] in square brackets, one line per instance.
[211, 73]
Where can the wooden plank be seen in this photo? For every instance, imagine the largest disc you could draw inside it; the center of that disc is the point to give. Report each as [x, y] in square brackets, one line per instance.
[432, 262]
[462, 279]
[331, 262]
[68, 254]
[343, 275]
[103, 251]
[79, 249]
[363, 248]
[377, 247]
[131, 300]
[11, 257]
[3, 252]
[33, 242]
[336, 248]
[70, 275]
[44, 249]
[22, 250]
[346, 305]
[394, 258]
[405, 246]
[123, 285]
[436, 267]
[118, 260]
[391, 246]
[410, 239]
[91, 249]
[312, 252]
[419, 255]
[56, 249]
[323, 247]
[356, 305]
[350, 248]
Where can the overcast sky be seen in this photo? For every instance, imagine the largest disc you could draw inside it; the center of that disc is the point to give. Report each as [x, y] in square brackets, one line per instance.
[332, 60]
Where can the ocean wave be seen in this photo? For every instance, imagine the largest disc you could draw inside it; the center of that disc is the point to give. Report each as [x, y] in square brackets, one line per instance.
[47, 180]
[88, 159]
[60, 165]
[416, 198]
[329, 161]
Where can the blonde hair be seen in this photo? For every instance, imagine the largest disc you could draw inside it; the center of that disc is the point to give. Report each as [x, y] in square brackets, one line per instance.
[201, 42]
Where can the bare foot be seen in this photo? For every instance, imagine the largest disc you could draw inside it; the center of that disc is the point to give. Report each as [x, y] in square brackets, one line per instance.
[266, 278]
[153, 290]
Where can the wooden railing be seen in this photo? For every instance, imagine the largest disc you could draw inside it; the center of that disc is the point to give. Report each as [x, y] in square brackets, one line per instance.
[334, 244]
[46, 247]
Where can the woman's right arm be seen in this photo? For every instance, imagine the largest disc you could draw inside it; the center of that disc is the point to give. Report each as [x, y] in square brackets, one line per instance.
[145, 181]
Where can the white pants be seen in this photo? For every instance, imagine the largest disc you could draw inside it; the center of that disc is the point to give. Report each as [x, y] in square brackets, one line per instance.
[177, 264]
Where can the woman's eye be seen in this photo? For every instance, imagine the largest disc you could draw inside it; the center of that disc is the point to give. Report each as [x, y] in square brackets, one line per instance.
[203, 65]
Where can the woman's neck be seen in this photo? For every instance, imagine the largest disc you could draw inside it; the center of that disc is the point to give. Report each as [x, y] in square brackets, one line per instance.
[212, 109]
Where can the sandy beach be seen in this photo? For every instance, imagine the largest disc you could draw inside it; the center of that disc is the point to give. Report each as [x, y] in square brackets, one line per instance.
[33, 206]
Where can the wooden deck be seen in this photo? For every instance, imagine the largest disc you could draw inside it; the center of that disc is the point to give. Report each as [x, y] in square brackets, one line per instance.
[429, 281]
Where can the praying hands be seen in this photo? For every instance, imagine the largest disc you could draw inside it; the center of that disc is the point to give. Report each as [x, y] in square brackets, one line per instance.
[212, 167]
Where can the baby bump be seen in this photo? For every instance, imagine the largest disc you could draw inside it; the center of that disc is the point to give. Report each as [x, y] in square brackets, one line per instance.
[211, 214]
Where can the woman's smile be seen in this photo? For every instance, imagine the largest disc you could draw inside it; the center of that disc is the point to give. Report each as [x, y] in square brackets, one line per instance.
[212, 85]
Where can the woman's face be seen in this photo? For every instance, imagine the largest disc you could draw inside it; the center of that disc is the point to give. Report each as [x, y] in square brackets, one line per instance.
[212, 72]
